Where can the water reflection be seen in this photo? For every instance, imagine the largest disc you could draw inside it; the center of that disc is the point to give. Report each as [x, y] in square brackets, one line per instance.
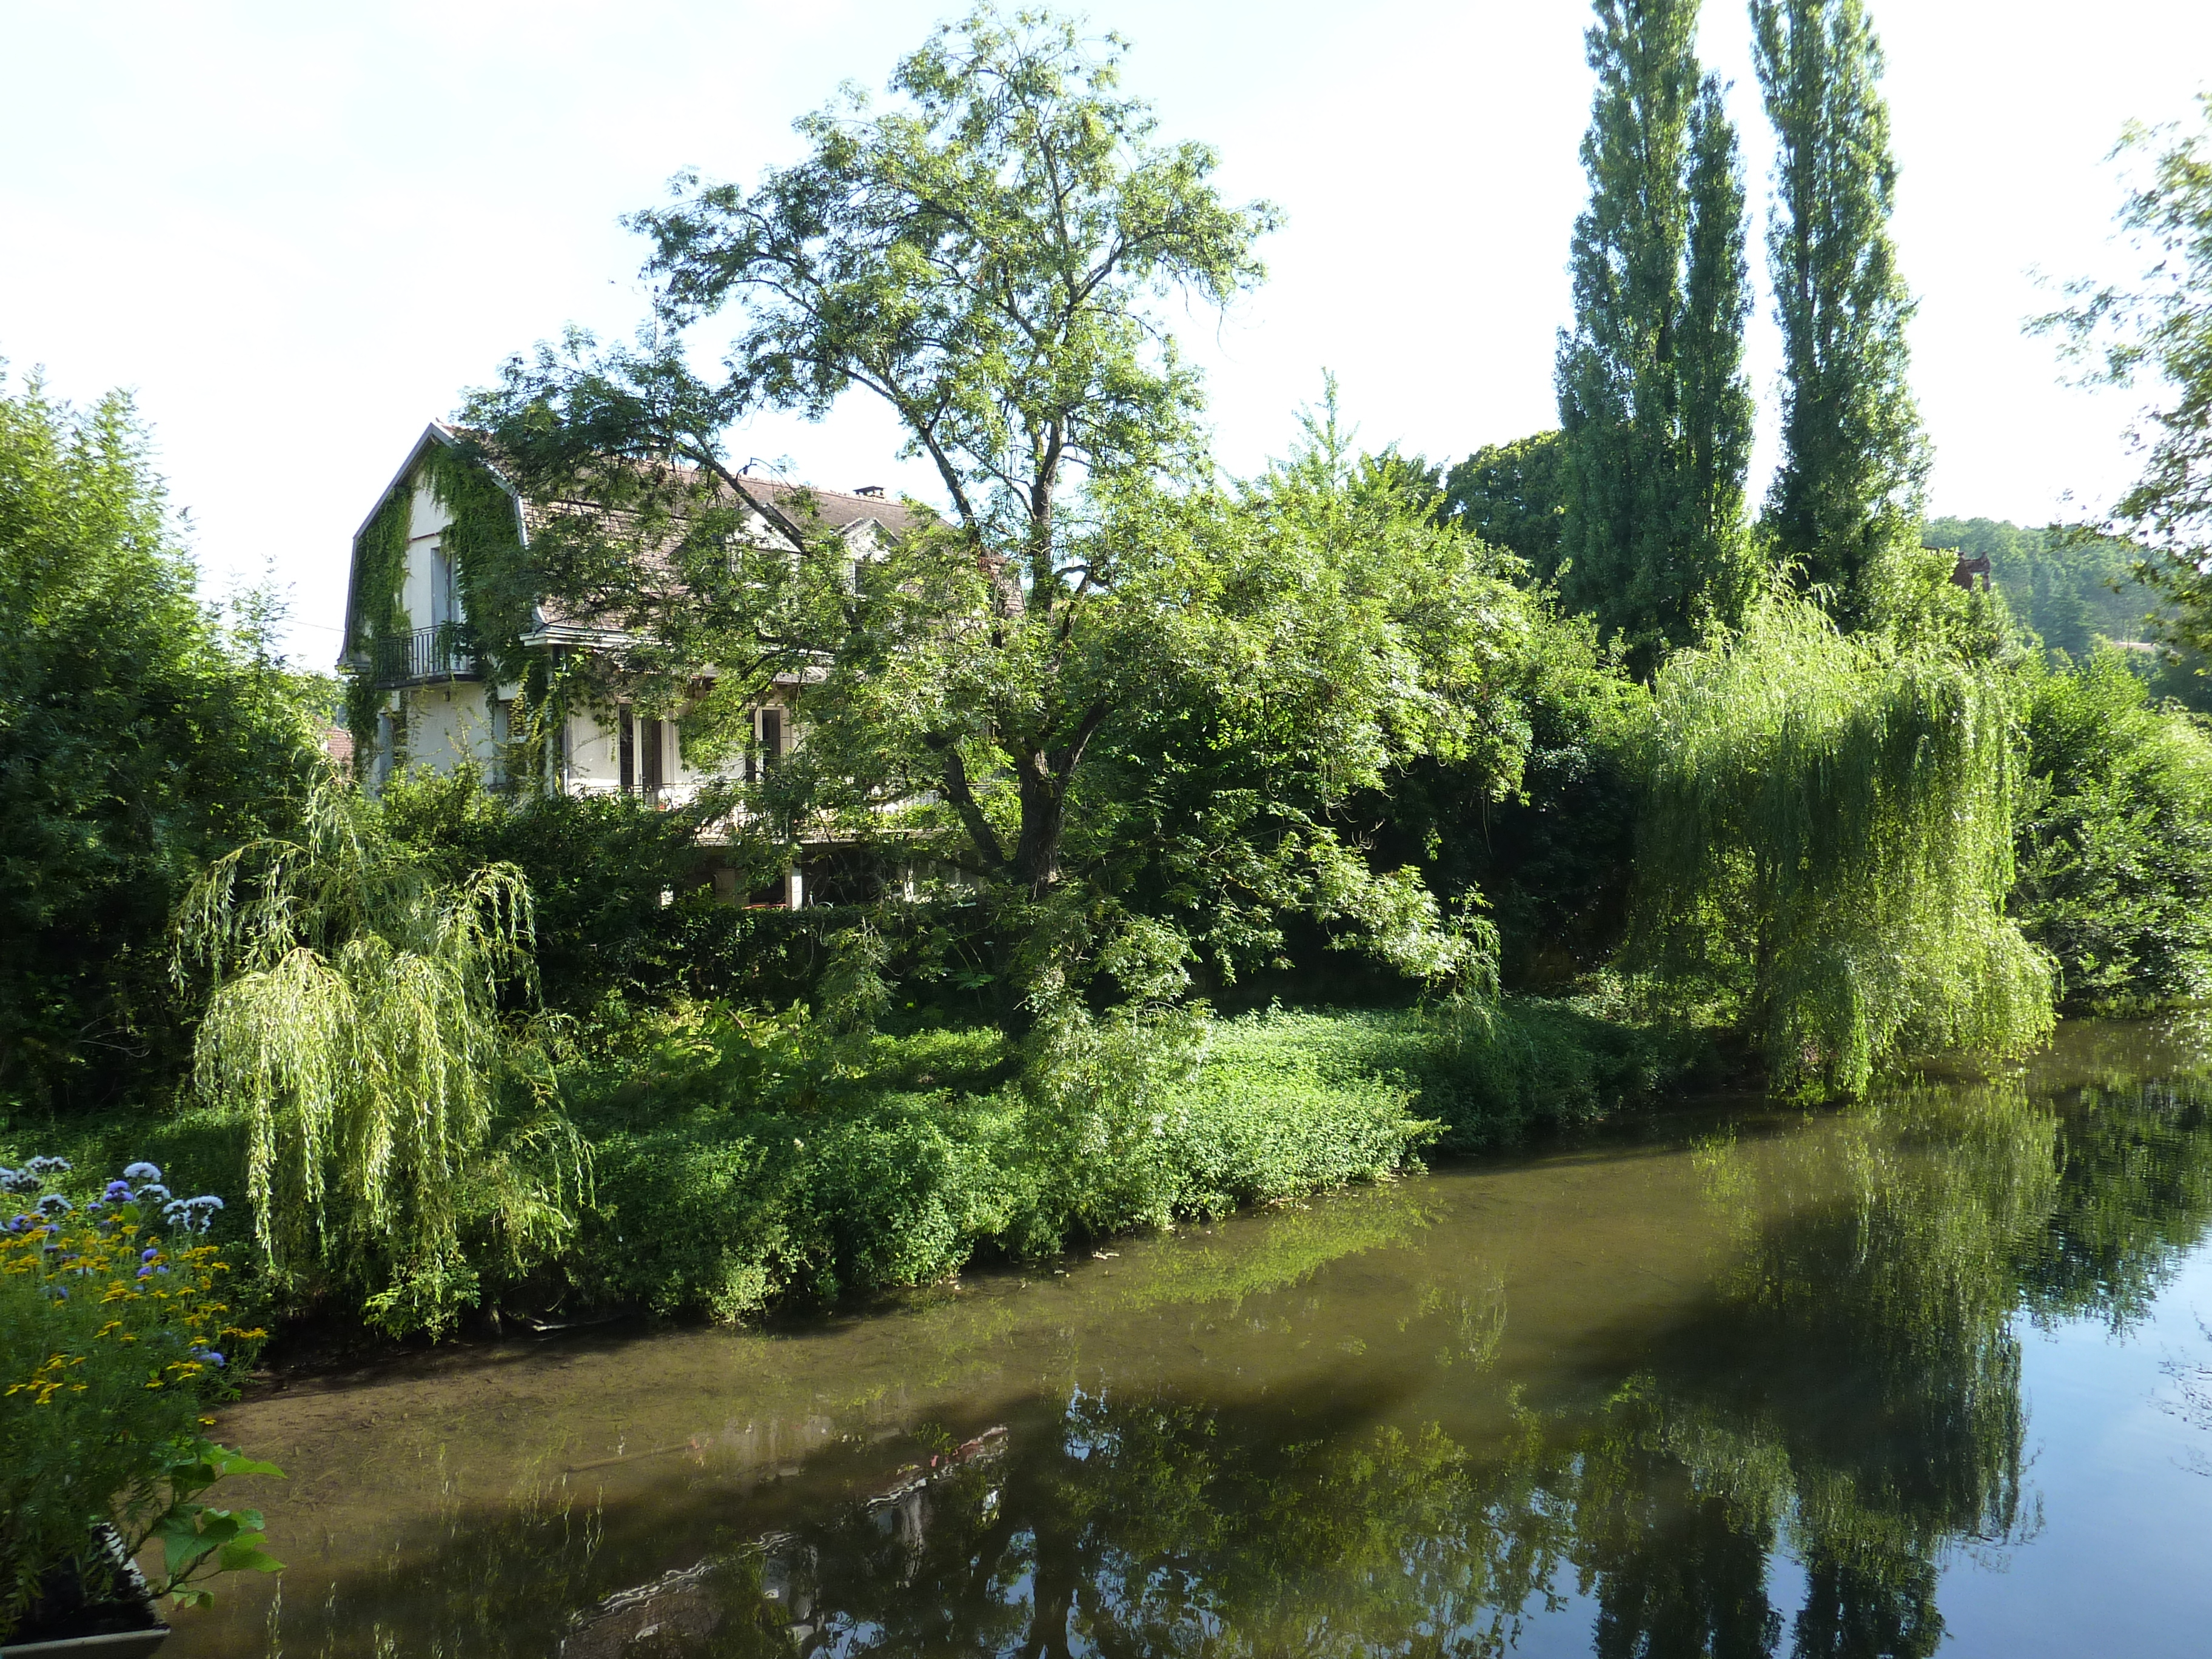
[1430, 1425]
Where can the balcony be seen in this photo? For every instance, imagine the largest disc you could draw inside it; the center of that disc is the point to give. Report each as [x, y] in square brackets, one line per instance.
[447, 652]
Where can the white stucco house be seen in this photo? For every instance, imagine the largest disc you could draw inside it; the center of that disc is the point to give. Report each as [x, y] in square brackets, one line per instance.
[425, 693]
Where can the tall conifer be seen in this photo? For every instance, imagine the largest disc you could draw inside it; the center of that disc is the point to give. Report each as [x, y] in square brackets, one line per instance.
[1655, 410]
[1854, 458]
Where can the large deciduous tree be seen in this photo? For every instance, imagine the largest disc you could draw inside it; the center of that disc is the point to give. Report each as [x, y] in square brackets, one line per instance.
[1030, 677]
[139, 737]
[1653, 403]
[1854, 458]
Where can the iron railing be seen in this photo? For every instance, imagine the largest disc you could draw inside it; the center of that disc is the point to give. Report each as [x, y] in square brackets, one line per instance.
[447, 652]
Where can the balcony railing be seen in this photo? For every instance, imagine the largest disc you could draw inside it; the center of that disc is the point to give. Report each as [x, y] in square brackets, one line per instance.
[447, 652]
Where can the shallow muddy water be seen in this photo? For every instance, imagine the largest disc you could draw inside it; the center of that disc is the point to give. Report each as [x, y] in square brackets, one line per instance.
[1924, 1375]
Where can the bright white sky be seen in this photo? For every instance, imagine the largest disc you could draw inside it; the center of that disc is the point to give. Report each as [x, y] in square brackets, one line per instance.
[299, 232]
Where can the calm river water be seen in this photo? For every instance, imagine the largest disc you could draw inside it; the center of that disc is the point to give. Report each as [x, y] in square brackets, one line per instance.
[1924, 1375]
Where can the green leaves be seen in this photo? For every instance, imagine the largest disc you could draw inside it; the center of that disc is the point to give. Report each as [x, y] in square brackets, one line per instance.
[1854, 458]
[2161, 328]
[981, 257]
[1827, 846]
[1654, 412]
[198, 1540]
[352, 1022]
[139, 736]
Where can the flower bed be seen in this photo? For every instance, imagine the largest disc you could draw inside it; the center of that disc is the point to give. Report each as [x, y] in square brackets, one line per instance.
[114, 1336]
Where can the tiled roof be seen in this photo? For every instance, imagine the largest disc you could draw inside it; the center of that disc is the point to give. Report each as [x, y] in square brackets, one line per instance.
[810, 505]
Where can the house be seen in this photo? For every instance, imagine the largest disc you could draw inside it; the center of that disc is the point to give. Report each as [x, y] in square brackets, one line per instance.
[433, 686]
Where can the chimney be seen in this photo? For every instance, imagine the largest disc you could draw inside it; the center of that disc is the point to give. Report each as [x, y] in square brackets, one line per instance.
[869, 490]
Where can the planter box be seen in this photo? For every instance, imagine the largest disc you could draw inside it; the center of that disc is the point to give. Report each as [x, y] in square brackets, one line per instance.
[129, 1627]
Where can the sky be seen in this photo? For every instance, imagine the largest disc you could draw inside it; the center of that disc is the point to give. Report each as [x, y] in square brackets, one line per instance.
[296, 233]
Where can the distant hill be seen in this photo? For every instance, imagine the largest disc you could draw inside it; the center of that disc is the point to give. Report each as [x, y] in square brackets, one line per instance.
[2063, 586]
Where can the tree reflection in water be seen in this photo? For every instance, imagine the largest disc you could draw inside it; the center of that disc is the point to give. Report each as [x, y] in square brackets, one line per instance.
[1846, 1398]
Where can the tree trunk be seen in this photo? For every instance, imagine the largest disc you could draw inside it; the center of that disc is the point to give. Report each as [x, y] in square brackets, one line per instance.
[1043, 793]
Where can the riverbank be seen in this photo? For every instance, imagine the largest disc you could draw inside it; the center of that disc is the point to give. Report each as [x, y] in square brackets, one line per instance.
[741, 1162]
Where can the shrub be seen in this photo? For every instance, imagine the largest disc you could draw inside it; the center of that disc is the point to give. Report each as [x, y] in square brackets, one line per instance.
[116, 1334]
[745, 1159]
[2114, 840]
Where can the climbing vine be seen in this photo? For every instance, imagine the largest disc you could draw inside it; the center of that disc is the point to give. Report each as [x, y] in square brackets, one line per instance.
[483, 538]
[380, 570]
[498, 590]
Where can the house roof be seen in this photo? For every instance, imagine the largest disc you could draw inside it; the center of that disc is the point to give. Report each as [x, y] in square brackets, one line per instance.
[842, 511]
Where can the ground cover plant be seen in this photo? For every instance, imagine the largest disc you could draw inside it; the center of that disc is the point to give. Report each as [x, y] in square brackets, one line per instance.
[735, 1168]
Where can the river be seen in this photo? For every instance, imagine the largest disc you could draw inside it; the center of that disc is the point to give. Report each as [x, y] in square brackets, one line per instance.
[1924, 1374]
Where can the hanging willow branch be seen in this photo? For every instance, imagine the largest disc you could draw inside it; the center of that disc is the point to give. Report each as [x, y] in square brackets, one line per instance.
[354, 1020]
[1828, 841]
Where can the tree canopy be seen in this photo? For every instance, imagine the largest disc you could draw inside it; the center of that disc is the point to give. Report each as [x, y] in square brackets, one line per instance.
[1826, 845]
[140, 737]
[1655, 410]
[1854, 458]
[988, 258]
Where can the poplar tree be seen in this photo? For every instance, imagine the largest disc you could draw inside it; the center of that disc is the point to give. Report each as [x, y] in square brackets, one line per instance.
[1854, 458]
[1655, 410]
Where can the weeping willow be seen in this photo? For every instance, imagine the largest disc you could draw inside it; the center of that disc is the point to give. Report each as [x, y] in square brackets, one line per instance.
[1827, 845]
[354, 1022]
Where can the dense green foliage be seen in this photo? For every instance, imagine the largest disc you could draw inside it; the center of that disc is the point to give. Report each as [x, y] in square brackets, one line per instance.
[1827, 847]
[745, 1159]
[2115, 840]
[353, 1023]
[615, 882]
[1550, 854]
[1854, 458]
[1513, 496]
[1655, 410]
[138, 739]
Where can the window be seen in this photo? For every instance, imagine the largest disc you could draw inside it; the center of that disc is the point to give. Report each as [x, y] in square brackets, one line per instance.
[626, 745]
[444, 590]
[767, 745]
[651, 754]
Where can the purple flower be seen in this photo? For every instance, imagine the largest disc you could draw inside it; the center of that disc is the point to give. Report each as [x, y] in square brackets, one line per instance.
[118, 1192]
[54, 1204]
[141, 1172]
[147, 1254]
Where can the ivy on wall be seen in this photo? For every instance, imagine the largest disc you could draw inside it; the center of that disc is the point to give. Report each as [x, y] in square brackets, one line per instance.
[498, 594]
[380, 571]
